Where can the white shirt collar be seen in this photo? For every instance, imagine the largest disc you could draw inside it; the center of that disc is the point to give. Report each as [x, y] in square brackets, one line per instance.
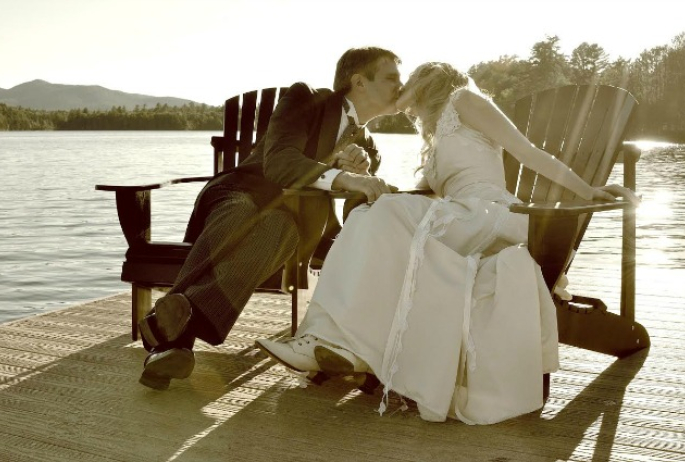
[352, 112]
[343, 118]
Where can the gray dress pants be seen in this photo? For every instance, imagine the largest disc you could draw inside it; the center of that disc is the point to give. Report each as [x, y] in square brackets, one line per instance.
[239, 247]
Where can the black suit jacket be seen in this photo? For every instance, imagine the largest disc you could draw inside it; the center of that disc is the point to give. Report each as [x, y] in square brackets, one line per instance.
[298, 143]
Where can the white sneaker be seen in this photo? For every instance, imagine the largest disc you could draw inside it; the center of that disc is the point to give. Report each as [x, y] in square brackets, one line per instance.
[338, 360]
[297, 353]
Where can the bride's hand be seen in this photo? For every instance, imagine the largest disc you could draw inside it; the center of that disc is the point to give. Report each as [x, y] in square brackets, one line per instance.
[613, 191]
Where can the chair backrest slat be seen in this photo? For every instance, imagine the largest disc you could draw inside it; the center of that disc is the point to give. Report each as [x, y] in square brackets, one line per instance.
[512, 167]
[266, 108]
[246, 119]
[230, 141]
[582, 154]
[557, 134]
[247, 125]
[598, 150]
[538, 119]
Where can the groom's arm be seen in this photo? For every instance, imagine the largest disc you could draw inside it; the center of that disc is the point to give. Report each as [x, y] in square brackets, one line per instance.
[291, 129]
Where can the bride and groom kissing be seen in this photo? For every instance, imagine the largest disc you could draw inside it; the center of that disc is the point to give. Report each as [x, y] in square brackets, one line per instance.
[436, 296]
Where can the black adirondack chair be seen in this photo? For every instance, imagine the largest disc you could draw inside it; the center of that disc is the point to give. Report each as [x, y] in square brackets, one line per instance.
[152, 264]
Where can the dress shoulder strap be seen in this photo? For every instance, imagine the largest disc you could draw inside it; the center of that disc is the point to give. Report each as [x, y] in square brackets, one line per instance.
[449, 120]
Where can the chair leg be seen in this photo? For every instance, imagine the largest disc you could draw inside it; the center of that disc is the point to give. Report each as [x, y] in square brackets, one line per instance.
[311, 216]
[141, 303]
[289, 284]
[294, 316]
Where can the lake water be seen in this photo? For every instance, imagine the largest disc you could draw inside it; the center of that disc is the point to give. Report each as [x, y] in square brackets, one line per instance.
[61, 243]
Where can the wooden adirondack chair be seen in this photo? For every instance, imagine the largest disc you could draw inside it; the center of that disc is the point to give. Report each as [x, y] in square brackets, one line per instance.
[150, 264]
[584, 127]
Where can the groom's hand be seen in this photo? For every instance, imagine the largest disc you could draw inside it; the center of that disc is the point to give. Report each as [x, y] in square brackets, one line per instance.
[372, 186]
[352, 159]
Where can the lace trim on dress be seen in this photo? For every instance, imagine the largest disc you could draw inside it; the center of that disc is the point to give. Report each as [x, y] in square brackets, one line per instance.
[447, 125]
[429, 167]
[435, 226]
[449, 120]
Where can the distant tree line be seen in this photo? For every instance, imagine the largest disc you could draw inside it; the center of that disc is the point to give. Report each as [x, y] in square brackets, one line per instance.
[161, 117]
[656, 78]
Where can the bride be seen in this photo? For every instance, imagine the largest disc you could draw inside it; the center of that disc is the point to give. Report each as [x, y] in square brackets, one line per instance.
[439, 297]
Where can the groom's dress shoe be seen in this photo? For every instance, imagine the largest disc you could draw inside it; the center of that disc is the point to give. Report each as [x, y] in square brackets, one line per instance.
[161, 367]
[297, 353]
[336, 360]
[166, 321]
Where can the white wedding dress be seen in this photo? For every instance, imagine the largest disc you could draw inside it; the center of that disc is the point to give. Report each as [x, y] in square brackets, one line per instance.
[440, 296]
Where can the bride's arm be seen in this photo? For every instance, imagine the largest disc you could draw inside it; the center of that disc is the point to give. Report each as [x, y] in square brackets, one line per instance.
[483, 115]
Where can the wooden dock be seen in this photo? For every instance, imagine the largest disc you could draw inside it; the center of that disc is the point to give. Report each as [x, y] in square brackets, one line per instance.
[69, 392]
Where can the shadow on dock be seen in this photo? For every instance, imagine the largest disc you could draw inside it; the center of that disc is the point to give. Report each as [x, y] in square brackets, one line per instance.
[69, 391]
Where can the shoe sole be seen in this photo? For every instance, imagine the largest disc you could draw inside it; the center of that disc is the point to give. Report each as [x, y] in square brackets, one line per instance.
[171, 364]
[156, 330]
[273, 356]
[331, 362]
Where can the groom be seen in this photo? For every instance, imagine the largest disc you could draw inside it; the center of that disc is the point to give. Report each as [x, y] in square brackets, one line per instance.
[240, 230]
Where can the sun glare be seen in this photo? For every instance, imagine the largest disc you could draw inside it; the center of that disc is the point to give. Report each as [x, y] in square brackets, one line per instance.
[646, 145]
[656, 208]
[658, 243]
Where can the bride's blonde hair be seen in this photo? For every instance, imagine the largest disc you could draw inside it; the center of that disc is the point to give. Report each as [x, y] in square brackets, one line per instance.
[432, 84]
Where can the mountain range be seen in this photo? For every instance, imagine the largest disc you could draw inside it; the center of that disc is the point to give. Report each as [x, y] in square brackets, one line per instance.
[39, 94]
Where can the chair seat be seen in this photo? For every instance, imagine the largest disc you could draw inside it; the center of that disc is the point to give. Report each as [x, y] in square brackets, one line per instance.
[157, 264]
[159, 251]
[154, 264]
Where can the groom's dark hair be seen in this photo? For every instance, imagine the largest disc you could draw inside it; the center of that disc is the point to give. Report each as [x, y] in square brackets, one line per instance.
[363, 61]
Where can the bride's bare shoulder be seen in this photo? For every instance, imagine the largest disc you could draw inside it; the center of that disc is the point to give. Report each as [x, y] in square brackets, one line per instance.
[465, 100]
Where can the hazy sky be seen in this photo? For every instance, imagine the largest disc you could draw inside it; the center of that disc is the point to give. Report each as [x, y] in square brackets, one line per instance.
[208, 50]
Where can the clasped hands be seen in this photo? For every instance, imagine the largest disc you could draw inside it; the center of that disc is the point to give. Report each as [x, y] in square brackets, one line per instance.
[352, 159]
[354, 162]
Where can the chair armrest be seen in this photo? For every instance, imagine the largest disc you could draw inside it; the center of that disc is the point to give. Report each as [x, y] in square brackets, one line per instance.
[148, 187]
[629, 156]
[133, 207]
[577, 207]
[629, 152]
[311, 192]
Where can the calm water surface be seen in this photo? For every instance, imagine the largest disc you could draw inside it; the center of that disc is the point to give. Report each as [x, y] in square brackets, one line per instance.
[61, 243]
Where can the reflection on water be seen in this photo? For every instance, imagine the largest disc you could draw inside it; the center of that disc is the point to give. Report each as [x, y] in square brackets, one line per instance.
[661, 216]
[60, 240]
[61, 243]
